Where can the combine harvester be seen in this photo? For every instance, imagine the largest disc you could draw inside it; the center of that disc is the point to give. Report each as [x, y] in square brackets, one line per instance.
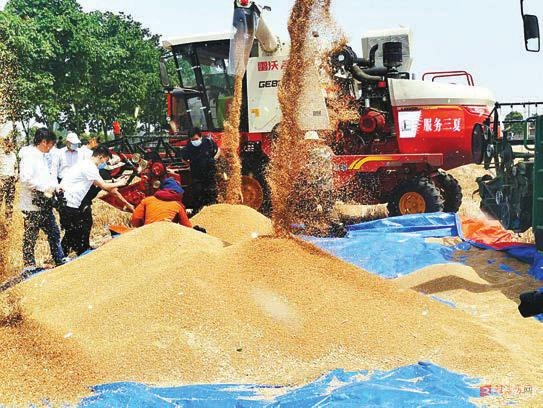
[408, 132]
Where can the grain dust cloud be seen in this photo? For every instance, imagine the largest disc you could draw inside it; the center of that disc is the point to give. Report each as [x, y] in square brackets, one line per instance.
[300, 174]
[230, 146]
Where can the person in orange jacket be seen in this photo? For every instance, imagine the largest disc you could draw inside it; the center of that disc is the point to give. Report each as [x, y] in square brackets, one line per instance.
[165, 205]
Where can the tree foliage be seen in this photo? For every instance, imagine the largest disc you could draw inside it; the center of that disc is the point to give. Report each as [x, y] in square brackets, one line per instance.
[81, 70]
[515, 128]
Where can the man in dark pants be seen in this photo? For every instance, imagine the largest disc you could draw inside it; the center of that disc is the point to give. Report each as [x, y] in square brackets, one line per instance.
[86, 206]
[37, 189]
[76, 183]
[200, 155]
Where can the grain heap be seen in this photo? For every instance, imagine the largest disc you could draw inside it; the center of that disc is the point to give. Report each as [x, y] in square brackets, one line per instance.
[167, 305]
[233, 223]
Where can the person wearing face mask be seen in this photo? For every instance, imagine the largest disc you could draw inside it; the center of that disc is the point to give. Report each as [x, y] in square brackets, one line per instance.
[66, 157]
[75, 216]
[200, 155]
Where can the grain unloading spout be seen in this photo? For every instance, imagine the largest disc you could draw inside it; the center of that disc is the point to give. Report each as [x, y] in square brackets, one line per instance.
[248, 24]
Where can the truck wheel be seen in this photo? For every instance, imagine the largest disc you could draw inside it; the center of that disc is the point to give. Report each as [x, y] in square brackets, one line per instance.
[414, 196]
[450, 191]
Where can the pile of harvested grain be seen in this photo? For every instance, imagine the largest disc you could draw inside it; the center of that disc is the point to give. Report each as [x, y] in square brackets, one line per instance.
[233, 223]
[167, 305]
[482, 289]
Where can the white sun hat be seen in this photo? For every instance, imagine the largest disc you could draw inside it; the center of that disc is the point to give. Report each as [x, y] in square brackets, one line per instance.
[73, 138]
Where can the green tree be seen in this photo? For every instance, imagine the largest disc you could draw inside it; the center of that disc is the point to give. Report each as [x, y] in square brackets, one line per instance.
[80, 69]
[125, 72]
[41, 33]
[515, 128]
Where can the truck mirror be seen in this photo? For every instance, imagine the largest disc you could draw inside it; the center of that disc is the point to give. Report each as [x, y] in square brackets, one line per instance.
[164, 77]
[531, 32]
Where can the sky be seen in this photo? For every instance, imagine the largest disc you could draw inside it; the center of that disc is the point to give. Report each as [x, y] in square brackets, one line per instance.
[483, 37]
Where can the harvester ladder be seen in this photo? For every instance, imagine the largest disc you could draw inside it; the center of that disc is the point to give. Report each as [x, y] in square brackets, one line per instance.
[537, 208]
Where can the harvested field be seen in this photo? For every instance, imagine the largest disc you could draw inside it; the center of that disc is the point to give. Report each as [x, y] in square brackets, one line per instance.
[167, 305]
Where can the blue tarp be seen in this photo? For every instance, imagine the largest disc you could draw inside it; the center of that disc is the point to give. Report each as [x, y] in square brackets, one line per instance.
[425, 225]
[397, 246]
[417, 385]
[388, 255]
[394, 246]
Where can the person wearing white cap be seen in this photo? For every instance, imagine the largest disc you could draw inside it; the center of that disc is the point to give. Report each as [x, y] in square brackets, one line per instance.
[67, 156]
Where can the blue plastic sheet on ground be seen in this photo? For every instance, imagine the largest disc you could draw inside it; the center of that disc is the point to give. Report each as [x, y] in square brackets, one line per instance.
[388, 255]
[426, 225]
[397, 246]
[417, 385]
[394, 246]
[536, 270]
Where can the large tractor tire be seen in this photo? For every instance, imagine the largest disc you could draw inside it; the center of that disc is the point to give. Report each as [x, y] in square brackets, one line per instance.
[478, 144]
[255, 191]
[413, 196]
[450, 191]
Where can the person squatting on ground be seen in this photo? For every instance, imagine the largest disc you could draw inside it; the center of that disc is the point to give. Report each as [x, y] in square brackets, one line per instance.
[38, 186]
[8, 175]
[200, 155]
[68, 156]
[76, 215]
[165, 205]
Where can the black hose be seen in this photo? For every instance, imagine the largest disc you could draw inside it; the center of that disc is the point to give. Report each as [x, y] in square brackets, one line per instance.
[361, 76]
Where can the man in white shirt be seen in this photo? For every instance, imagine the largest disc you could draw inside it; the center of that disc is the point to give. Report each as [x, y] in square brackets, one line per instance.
[87, 148]
[67, 157]
[74, 217]
[8, 173]
[37, 188]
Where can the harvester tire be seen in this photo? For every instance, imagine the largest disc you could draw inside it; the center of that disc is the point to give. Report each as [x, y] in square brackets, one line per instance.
[252, 178]
[478, 144]
[450, 191]
[416, 195]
